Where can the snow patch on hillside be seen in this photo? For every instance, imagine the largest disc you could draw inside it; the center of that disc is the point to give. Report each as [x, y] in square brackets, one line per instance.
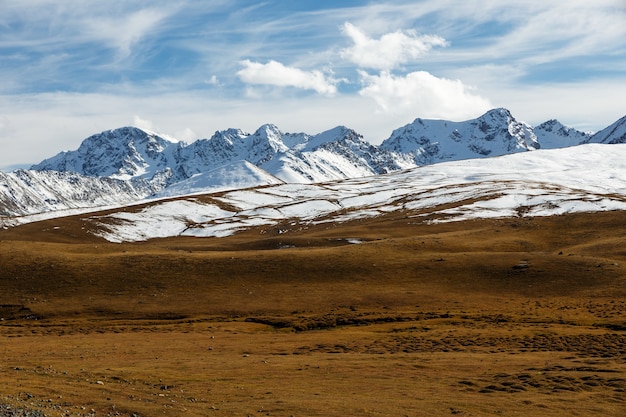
[240, 174]
[542, 183]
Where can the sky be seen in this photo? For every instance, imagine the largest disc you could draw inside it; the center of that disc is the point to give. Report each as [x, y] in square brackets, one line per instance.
[73, 68]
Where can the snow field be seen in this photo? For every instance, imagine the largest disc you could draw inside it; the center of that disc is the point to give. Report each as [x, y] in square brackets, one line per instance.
[541, 183]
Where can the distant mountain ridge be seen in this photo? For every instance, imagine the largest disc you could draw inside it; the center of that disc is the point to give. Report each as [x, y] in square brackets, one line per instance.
[131, 152]
[130, 164]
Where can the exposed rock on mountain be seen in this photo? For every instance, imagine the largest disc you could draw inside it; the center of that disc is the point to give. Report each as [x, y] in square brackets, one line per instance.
[131, 152]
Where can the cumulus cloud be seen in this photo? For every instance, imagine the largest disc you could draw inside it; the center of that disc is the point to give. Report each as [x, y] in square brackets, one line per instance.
[421, 93]
[388, 52]
[277, 74]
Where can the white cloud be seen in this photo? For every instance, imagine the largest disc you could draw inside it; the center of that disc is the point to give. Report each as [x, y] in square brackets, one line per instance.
[277, 74]
[388, 52]
[142, 123]
[213, 80]
[186, 135]
[421, 93]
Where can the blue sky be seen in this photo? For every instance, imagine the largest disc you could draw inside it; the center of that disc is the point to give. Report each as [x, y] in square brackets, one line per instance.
[188, 68]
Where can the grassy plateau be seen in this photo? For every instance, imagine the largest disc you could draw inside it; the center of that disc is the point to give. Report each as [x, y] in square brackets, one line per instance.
[382, 317]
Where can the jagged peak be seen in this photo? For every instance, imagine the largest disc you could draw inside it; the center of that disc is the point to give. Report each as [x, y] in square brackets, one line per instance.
[499, 113]
[270, 133]
[135, 131]
[228, 135]
[268, 128]
[124, 136]
[494, 114]
[332, 135]
[549, 123]
[341, 130]
[553, 125]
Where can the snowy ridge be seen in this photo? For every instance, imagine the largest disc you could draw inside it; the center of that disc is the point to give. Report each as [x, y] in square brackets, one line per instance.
[615, 133]
[238, 175]
[542, 183]
[134, 153]
[338, 153]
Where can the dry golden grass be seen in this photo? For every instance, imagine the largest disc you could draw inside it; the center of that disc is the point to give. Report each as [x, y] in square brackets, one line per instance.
[503, 317]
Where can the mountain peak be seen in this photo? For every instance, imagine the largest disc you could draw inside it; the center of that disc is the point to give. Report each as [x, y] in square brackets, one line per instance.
[550, 125]
[494, 133]
[553, 134]
[328, 136]
[499, 112]
[118, 153]
[268, 128]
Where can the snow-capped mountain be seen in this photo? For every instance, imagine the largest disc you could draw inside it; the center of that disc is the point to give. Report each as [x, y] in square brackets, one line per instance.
[338, 153]
[553, 134]
[615, 133]
[495, 133]
[123, 153]
[128, 164]
[134, 153]
[335, 154]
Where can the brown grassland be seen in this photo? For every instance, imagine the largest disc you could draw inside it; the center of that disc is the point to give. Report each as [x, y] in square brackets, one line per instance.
[508, 317]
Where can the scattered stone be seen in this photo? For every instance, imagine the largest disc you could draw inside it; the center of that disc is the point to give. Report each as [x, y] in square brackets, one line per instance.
[8, 411]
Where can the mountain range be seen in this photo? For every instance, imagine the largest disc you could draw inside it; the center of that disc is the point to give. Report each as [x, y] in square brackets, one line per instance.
[127, 165]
